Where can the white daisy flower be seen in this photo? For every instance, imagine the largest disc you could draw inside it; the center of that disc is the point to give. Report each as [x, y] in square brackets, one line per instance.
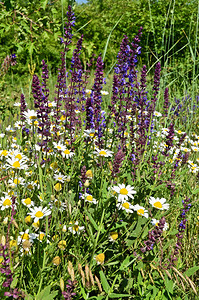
[159, 203]
[10, 129]
[67, 153]
[39, 213]
[60, 177]
[5, 202]
[128, 207]
[17, 104]
[30, 115]
[89, 198]
[141, 211]
[14, 163]
[52, 104]
[88, 91]
[104, 93]
[2, 135]
[124, 191]
[59, 146]
[103, 152]
[155, 222]
[195, 149]
[75, 228]
[16, 182]
[89, 133]
[26, 236]
[40, 236]
[157, 114]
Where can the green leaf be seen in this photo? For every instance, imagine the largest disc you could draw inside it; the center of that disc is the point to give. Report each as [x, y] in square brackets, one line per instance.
[113, 295]
[169, 285]
[104, 282]
[29, 297]
[92, 221]
[44, 3]
[191, 271]
[45, 294]
[14, 283]
[196, 191]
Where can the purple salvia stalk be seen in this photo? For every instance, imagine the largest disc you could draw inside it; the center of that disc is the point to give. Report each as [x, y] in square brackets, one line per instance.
[89, 114]
[181, 231]
[169, 139]
[71, 104]
[68, 29]
[41, 103]
[154, 236]
[166, 101]
[37, 91]
[61, 89]
[69, 293]
[117, 163]
[96, 96]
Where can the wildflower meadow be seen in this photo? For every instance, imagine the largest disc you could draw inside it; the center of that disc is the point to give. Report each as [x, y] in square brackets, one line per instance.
[99, 182]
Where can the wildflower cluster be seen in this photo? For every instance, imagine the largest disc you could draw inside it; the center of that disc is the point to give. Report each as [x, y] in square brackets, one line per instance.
[89, 179]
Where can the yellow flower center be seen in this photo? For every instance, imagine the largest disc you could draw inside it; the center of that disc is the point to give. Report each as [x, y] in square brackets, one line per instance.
[19, 156]
[100, 258]
[16, 165]
[66, 151]
[89, 198]
[91, 134]
[7, 202]
[158, 204]
[58, 147]
[39, 214]
[114, 235]
[4, 152]
[27, 201]
[33, 117]
[16, 181]
[25, 236]
[36, 225]
[41, 236]
[75, 228]
[126, 205]
[29, 186]
[140, 212]
[102, 153]
[59, 178]
[123, 191]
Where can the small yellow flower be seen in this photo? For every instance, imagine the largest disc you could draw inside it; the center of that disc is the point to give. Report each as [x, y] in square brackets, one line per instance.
[56, 261]
[100, 258]
[113, 236]
[89, 174]
[27, 219]
[58, 187]
[13, 243]
[62, 245]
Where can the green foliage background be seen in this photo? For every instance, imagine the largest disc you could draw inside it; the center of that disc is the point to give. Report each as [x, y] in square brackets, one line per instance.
[32, 29]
